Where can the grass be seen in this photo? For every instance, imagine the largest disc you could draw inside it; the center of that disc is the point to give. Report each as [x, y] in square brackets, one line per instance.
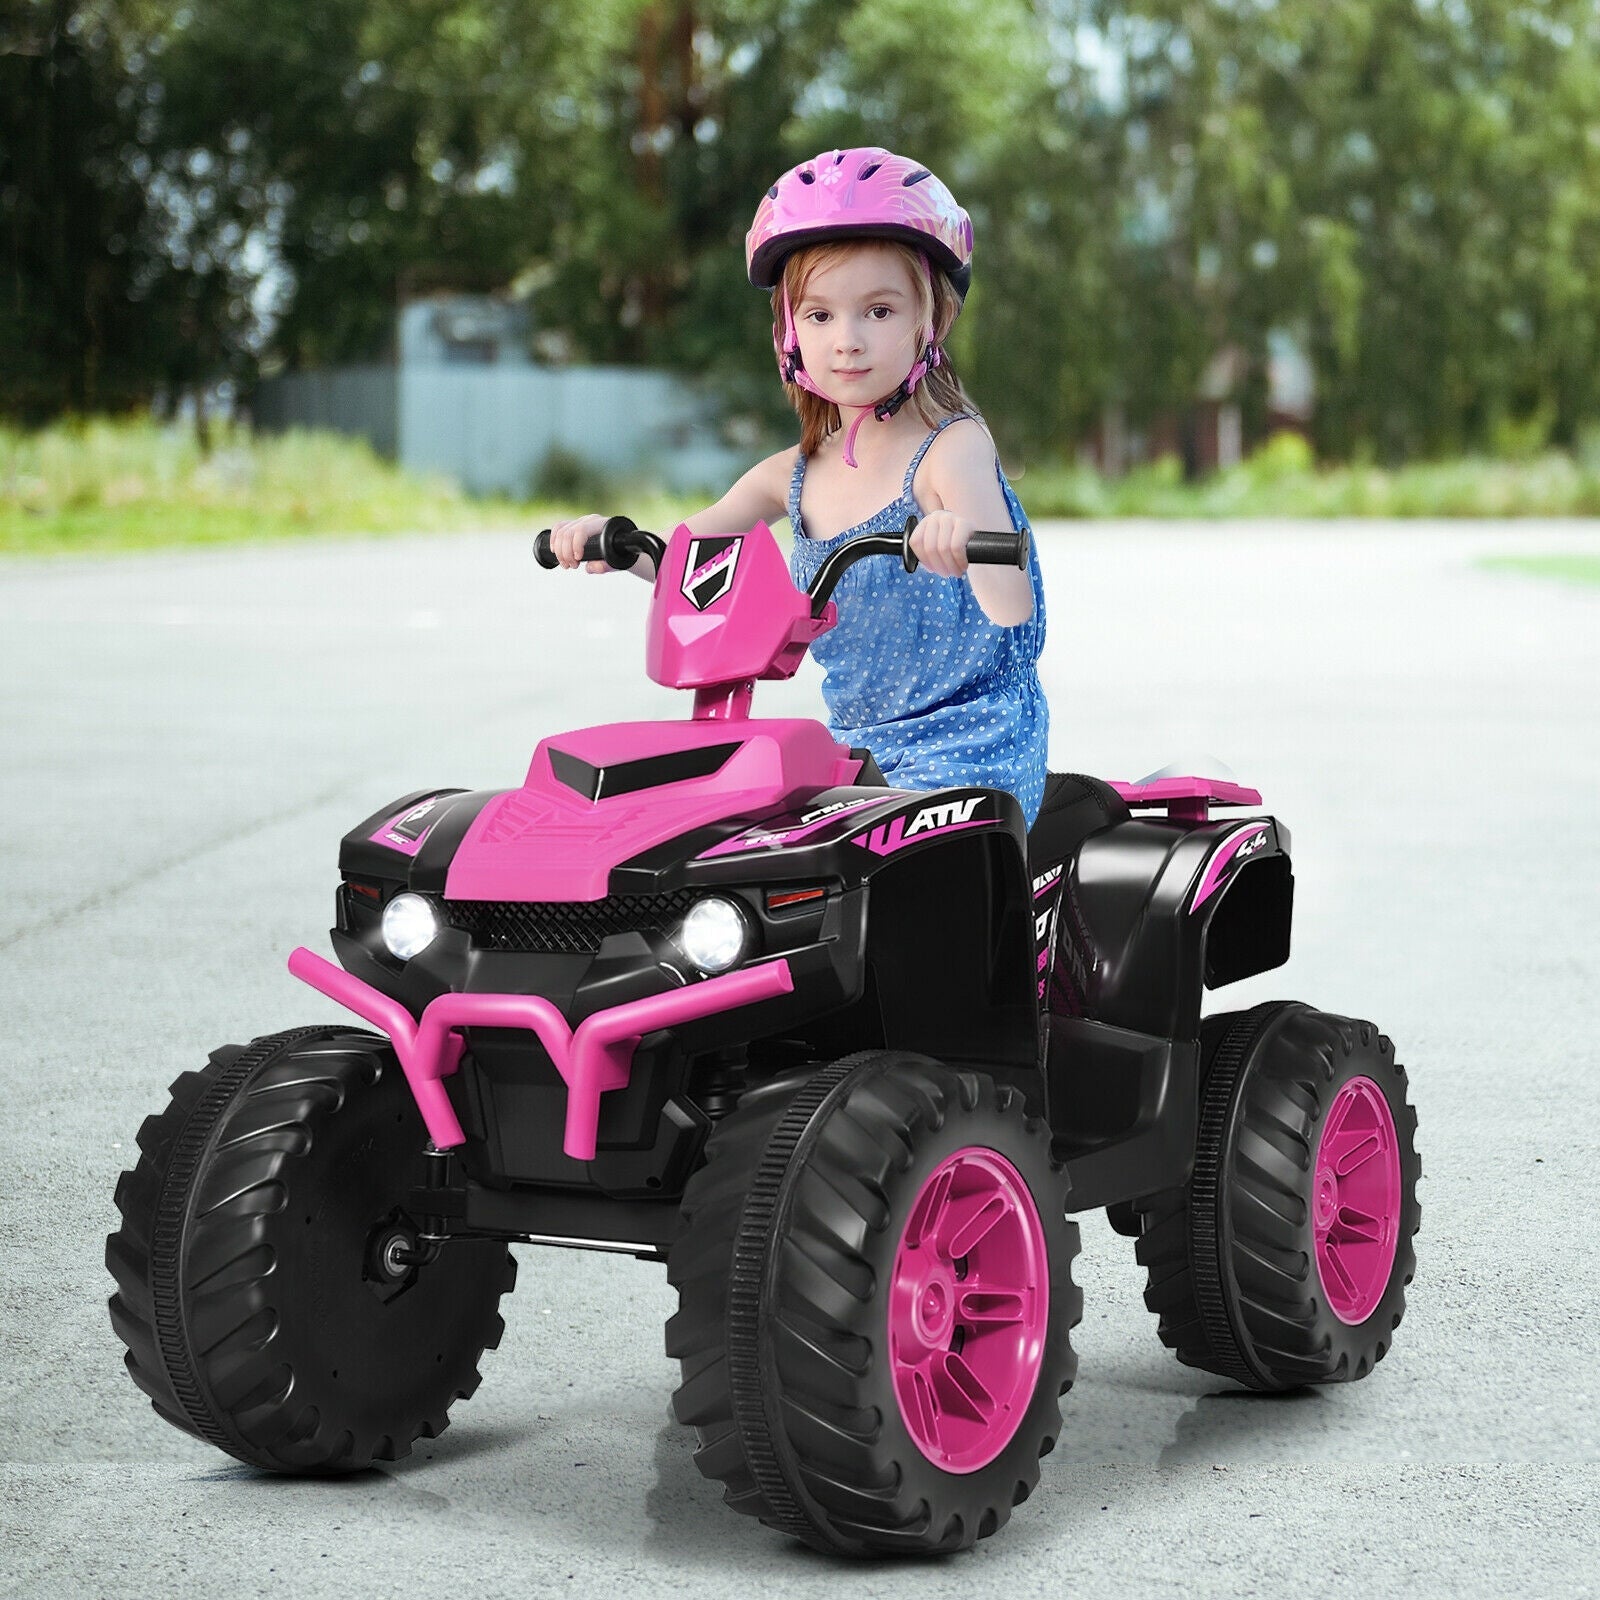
[1282, 480]
[118, 485]
[129, 484]
[103, 485]
[1576, 568]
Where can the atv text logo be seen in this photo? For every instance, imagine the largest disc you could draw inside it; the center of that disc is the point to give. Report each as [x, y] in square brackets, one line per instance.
[708, 569]
[889, 836]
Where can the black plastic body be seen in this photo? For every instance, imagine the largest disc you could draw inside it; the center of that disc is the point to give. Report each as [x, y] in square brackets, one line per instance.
[923, 943]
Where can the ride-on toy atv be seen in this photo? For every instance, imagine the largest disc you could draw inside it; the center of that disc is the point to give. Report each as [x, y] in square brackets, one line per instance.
[845, 1057]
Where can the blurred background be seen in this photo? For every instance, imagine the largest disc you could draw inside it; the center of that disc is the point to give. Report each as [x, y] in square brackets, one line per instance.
[1274, 256]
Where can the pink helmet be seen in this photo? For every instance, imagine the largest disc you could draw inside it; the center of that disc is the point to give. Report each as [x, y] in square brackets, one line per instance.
[865, 193]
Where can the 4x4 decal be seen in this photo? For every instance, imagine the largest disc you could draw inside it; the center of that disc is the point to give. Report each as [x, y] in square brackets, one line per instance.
[1239, 845]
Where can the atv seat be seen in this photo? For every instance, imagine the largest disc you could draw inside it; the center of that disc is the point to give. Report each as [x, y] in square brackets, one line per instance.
[1074, 806]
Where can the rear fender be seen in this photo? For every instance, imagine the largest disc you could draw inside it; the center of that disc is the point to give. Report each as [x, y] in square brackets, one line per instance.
[1157, 911]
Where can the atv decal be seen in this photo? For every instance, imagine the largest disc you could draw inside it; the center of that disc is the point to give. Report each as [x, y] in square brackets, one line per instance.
[406, 832]
[949, 816]
[772, 838]
[1044, 922]
[708, 570]
[833, 808]
[1239, 846]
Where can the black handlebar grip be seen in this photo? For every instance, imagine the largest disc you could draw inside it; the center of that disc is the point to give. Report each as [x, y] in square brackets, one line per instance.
[603, 546]
[998, 549]
[983, 549]
[608, 545]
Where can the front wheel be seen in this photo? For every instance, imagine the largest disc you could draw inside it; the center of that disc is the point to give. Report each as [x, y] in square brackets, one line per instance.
[1285, 1259]
[875, 1303]
[264, 1291]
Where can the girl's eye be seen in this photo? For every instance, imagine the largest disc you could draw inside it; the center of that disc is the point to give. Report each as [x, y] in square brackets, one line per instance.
[817, 317]
[886, 310]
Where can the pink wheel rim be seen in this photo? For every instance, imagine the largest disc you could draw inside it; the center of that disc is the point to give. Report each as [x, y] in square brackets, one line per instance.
[1355, 1200]
[969, 1298]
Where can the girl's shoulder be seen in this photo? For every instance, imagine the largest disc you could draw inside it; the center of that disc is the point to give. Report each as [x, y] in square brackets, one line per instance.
[961, 448]
[776, 472]
[773, 474]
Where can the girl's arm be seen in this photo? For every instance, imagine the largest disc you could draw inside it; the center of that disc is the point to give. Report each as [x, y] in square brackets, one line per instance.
[761, 495]
[959, 482]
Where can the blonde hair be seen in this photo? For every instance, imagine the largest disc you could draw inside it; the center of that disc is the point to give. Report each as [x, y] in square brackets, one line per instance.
[938, 394]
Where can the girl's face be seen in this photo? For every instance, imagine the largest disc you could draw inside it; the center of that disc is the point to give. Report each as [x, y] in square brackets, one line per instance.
[857, 323]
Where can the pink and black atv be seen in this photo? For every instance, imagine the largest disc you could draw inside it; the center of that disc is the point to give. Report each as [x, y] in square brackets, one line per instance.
[846, 1058]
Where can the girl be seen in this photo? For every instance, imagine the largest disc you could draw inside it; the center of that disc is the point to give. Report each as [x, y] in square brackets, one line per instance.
[868, 258]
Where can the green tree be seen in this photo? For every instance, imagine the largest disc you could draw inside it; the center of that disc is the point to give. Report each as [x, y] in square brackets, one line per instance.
[1410, 186]
[100, 302]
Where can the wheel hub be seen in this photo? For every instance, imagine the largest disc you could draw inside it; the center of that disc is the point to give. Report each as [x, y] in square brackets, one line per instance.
[968, 1305]
[390, 1268]
[924, 1303]
[395, 1255]
[1355, 1207]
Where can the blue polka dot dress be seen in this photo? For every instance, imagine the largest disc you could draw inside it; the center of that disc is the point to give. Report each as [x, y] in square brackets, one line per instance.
[918, 674]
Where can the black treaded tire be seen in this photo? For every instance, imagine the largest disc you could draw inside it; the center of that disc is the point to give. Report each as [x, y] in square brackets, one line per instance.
[246, 1297]
[790, 1232]
[1230, 1258]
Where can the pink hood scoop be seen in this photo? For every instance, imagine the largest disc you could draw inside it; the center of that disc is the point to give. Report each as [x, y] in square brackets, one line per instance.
[549, 841]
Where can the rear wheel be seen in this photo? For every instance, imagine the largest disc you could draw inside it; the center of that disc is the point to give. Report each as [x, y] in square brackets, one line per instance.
[263, 1290]
[875, 1302]
[1285, 1259]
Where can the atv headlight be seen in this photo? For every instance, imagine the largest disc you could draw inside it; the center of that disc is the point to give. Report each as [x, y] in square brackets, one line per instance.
[409, 925]
[713, 934]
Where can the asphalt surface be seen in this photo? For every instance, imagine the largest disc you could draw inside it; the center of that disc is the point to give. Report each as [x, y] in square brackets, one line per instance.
[183, 739]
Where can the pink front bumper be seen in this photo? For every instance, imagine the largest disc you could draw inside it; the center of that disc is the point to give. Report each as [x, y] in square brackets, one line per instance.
[595, 1056]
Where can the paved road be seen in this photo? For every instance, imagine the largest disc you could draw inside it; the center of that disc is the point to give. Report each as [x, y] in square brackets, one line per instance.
[183, 738]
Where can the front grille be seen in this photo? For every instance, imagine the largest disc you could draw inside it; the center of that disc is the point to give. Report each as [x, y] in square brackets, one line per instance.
[564, 927]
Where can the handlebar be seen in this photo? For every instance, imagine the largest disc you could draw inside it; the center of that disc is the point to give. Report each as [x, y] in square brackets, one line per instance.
[984, 549]
[619, 544]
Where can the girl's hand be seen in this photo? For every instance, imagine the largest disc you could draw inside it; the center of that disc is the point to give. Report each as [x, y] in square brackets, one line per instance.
[939, 542]
[567, 540]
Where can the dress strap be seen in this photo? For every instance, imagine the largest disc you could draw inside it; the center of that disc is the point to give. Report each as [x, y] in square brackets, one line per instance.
[796, 479]
[922, 449]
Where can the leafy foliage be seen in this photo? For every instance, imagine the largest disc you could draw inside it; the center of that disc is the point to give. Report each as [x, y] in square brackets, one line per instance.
[1411, 188]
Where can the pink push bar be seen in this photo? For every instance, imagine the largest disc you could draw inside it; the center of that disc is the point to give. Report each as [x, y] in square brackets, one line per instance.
[595, 1056]
[1188, 799]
